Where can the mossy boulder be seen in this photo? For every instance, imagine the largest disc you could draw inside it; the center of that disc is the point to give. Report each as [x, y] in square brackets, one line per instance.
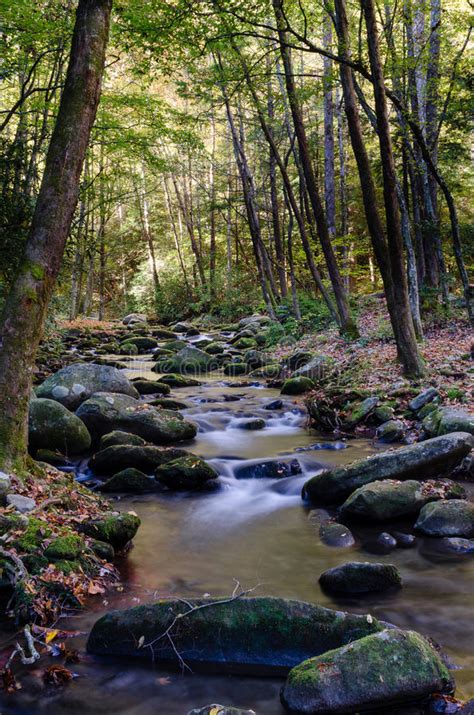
[431, 458]
[103, 550]
[187, 361]
[361, 411]
[297, 386]
[151, 387]
[105, 412]
[66, 548]
[34, 533]
[187, 473]
[118, 437]
[447, 518]
[298, 359]
[234, 369]
[384, 413]
[129, 480]
[455, 420]
[256, 359]
[245, 343]
[142, 342]
[391, 431]
[145, 458]
[267, 371]
[360, 577]
[423, 398]
[381, 671]
[127, 348]
[174, 380]
[254, 636]
[115, 529]
[254, 423]
[391, 499]
[75, 383]
[163, 334]
[214, 348]
[51, 426]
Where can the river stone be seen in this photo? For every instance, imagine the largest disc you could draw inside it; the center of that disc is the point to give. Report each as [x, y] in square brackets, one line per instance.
[214, 348]
[129, 480]
[389, 498]
[235, 369]
[333, 534]
[360, 577]
[168, 403]
[381, 671]
[255, 320]
[433, 457]
[105, 412]
[117, 437]
[178, 380]
[361, 411]
[297, 386]
[274, 405]
[75, 383]
[270, 372]
[142, 342]
[151, 387]
[182, 327]
[423, 399]
[115, 529]
[220, 710]
[455, 420]
[124, 456]
[255, 423]
[447, 518]
[254, 636]
[390, 431]
[267, 470]
[298, 359]
[163, 333]
[52, 426]
[188, 361]
[134, 318]
[187, 473]
[20, 503]
[316, 369]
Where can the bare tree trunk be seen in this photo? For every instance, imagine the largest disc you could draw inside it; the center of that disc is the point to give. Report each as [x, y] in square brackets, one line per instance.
[25, 309]
[344, 214]
[176, 235]
[329, 178]
[212, 211]
[400, 318]
[347, 322]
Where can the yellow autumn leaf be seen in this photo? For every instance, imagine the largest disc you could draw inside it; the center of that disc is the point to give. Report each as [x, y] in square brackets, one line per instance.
[50, 636]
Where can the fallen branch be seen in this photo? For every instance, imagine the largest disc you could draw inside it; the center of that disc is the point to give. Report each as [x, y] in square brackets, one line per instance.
[19, 650]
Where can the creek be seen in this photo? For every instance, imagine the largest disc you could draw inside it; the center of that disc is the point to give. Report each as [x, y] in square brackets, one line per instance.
[257, 532]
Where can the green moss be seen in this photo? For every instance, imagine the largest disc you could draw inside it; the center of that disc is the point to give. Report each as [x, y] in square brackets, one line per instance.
[65, 547]
[68, 566]
[33, 536]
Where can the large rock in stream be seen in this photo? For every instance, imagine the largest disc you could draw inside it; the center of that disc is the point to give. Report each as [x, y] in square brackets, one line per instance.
[388, 669]
[254, 636]
[129, 456]
[52, 426]
[75, 383]
[105, 412]
[432, 458]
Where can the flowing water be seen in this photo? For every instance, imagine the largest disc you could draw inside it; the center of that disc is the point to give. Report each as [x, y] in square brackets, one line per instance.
[259, 533]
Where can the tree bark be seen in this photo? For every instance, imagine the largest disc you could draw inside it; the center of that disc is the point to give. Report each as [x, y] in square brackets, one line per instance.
[25, 309]
[348, 325]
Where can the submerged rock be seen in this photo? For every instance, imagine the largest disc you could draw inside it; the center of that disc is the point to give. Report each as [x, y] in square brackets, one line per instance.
[447, 518]
[189, 473]
[105, 412]
[123, 456]
[360, 577]
[333, 534]
[390, 498]
[252, 424]
[75, 383]
[52, 426]
[381, 671]
[431, 458]
[267, 470]
[248, 635]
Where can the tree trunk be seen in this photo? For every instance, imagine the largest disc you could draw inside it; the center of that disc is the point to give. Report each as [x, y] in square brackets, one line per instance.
[329, 179]
[25, 309]
[348, 325]
[407, 350]
[407, 347]
[212, 212]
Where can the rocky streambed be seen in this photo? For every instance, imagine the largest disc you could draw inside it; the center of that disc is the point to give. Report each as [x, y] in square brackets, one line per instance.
[214, 465]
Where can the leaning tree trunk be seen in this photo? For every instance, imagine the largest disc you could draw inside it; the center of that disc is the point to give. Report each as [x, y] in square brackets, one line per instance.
[25, 308]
